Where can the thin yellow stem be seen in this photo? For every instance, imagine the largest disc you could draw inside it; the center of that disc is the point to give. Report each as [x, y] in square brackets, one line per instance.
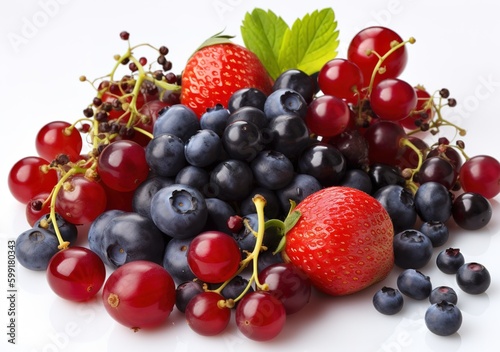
[62, 243]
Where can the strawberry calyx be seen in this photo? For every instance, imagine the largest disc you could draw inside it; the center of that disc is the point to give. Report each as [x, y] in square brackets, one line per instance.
[284, 226]
[215, 39]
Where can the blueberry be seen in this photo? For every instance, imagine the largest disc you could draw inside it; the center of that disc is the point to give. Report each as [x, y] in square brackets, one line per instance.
[383, 175]
[473, 278]
[96, 234]
[436, 231]
[450, 260]
[141, 201]
[443, 318]
[179, 211]
[184, 292]
[203, 148]
[68, 231]
[290, 135]
[412, 249]
[231, 180]
[357, 178]
[272, 209]
[35, 247]
[285, 102]
[471, 211]
[219, 212]
[175, 260]
[272, 169]
[388, 300]
[247, 97]
[414, 284]
[242, 140]
[249, 114]
[165, 155]
[433, 202]
[193, 176]
[179, 120]
[215, 119]
[129, 237]
[323, 161]
[267, 258]
[235, 287]
[298, 81]
[246, 238]
[300, 187]
[443, 293]
[399, 204]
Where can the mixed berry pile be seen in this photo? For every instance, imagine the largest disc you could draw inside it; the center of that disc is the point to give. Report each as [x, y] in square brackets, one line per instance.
[228, 193]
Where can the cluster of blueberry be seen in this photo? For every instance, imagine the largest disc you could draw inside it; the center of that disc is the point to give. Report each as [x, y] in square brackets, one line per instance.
[205, 172]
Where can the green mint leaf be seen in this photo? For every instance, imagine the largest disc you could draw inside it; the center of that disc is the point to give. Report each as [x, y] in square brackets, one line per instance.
[311, 42]
[262, 33]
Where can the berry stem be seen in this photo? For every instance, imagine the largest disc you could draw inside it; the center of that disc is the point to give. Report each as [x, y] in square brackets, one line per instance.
[410, 183]
[73, 171]
[253, 257]
[440, 121]
[381, 60]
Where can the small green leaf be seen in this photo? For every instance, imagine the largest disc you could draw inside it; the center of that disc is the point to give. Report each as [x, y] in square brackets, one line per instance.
[262, 33]
[281, 245]
[291, 220]
[311, 42]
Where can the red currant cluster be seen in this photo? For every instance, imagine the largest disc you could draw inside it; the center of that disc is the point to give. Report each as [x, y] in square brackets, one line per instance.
[395, 119]
[118, 123]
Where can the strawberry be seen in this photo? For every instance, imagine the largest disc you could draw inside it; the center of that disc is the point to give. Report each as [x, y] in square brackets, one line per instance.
[218, 69]
[342, 240]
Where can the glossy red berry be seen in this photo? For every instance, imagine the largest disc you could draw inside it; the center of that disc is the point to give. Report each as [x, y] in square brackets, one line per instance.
[213, 256]
[139, 294]
[393, 99]
[260, 316]
[206, 315]
[76, 274]
[378, 39]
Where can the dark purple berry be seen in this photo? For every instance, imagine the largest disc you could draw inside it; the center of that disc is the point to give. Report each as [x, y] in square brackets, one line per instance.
[473, 278]
[388, 300]
[449, 260]
[443, 318]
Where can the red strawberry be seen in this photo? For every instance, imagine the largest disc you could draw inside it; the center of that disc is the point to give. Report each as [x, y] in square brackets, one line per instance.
[342, 240]
[218, 69]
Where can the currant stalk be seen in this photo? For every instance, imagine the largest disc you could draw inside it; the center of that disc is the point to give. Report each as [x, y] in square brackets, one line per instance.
[378, 67]
[253, 257]
[88, 167]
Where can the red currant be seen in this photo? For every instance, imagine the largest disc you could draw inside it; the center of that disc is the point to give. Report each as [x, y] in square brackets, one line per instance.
[36, 207]
[260, 316]
[122, 165]
[384, 142]
[139, 294]
[327, 116]
[76, 274]
[214, 256]
[27, 178]
[393, 99]
[380, 40]
[289, 284]
[205, 315]
[57, 138]
[80, 200]
[341, 78]
[481, 174]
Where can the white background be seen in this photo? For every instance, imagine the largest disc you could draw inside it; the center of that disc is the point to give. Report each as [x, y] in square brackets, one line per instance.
[46, 45]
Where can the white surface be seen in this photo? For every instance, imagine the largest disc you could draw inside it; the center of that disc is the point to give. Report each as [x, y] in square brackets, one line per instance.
[57, 41]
